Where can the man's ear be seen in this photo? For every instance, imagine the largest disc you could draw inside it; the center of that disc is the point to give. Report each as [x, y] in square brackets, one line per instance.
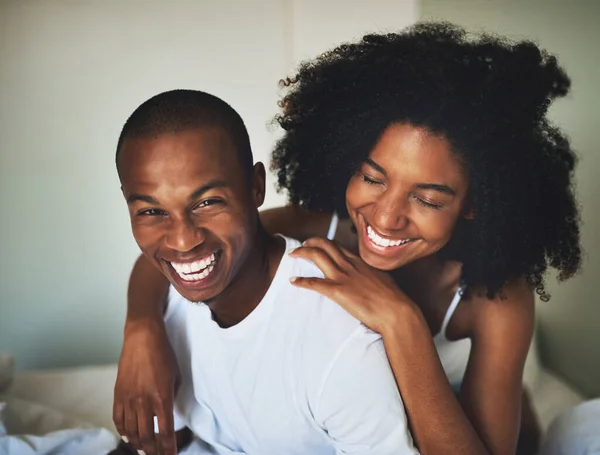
[259, 178]
[469, 214]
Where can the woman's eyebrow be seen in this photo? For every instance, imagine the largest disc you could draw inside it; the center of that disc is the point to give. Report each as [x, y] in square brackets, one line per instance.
[376, 166]
[437, 187]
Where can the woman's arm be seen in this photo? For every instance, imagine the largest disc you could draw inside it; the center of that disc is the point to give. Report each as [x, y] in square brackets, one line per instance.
[295, 222]
[487, 418]
[438, 422]
[530, 433]
[493, 385]
[148, 374]
[146, 293]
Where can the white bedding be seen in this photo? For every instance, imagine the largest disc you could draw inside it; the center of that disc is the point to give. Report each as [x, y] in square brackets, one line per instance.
[45, 414]
[551, 397]
[81, 398]
[550, 394]
[86, 393]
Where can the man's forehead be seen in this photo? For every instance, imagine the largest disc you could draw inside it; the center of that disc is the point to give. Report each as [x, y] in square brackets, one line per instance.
[205, 150]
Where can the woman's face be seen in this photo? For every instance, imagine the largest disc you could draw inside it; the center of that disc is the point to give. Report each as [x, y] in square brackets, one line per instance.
[406, 198]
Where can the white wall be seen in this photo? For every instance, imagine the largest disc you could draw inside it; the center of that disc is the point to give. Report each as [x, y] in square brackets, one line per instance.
[570, 322]
[71, 72]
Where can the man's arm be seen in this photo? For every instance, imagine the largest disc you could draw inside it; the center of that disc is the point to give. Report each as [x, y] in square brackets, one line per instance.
[359, 405]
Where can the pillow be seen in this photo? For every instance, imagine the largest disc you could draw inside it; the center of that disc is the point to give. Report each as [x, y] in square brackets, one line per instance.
[533, 368]
[7, 366]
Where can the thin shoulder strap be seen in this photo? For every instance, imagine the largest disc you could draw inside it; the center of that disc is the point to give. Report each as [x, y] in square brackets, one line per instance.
[333, 226]
[451, 310]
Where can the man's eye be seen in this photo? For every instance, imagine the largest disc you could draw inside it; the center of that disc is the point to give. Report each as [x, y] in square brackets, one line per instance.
[207, 203]
[151, 212]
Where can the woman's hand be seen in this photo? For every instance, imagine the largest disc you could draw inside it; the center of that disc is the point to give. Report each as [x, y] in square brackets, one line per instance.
[371, 296]
[147, 381]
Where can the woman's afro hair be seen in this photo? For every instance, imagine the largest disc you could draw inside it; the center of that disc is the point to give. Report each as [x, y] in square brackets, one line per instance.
[488, 97]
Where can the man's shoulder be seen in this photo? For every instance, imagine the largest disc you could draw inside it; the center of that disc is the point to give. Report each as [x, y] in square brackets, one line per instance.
[325, 328]
[320, 314]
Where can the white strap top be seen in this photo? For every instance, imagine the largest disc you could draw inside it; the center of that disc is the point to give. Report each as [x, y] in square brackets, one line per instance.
[333, 226]
[454, 355]
[450, 311]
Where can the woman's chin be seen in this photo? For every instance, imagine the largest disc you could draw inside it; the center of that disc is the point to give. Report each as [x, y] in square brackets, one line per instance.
[379, 262]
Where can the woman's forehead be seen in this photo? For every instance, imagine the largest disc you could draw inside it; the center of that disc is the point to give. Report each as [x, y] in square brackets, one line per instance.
[405, 150]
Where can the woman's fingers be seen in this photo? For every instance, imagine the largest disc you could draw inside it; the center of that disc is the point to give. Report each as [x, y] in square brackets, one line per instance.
[145, 420]
[320, 258]
[119, 419]
[131, 425]
[166, 438]
[321, 285]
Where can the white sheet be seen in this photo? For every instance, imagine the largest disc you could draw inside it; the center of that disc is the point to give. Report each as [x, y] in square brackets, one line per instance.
[82, 398]
[30, 427]
[65, 442]
[552, 396]
[84, 392]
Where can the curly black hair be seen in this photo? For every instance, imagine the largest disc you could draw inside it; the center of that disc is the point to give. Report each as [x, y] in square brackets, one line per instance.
[488, 96]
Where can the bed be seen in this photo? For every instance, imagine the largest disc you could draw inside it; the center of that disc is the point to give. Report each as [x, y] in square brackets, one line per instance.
[85, 393]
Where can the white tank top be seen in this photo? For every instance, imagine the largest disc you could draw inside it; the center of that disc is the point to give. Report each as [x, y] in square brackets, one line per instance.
[454, 355]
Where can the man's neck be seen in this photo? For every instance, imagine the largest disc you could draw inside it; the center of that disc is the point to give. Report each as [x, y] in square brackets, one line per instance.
[250, 285]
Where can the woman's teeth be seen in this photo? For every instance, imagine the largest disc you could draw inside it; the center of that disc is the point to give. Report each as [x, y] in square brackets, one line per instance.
[380, 241]
[195, 271]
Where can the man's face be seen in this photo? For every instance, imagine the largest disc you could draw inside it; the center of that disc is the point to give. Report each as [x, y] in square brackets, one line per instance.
[193, 209]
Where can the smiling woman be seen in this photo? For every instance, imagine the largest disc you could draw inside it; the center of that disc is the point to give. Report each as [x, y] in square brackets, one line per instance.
[435, 144]
[406, 197]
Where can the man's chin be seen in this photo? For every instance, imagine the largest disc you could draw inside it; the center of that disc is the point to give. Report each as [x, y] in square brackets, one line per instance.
[196, 295]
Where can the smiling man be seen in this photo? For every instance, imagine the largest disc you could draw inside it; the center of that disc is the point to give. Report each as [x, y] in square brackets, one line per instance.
[267, 368]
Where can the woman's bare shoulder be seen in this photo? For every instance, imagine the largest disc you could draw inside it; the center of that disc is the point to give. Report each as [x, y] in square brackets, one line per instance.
[512, 310]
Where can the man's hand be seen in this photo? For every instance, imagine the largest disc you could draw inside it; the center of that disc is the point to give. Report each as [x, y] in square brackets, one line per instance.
[147, 381]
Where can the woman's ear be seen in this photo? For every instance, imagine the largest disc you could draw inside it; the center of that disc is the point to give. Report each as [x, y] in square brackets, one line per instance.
[467, 211]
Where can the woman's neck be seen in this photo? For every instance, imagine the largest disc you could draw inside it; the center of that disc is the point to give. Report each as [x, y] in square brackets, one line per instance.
[429, 278]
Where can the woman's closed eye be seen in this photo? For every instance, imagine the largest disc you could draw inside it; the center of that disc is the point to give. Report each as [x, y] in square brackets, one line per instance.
[370, 180]
[429, 204]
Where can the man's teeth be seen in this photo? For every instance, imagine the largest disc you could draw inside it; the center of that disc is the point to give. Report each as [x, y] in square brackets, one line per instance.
[195, 271]
[378, 240]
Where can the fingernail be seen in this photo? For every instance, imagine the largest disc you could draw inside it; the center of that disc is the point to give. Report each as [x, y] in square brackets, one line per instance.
[293, 279]
[292, 250]
[125, 439]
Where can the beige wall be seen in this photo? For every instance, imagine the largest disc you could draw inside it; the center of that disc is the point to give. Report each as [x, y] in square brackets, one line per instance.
[570, 323]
